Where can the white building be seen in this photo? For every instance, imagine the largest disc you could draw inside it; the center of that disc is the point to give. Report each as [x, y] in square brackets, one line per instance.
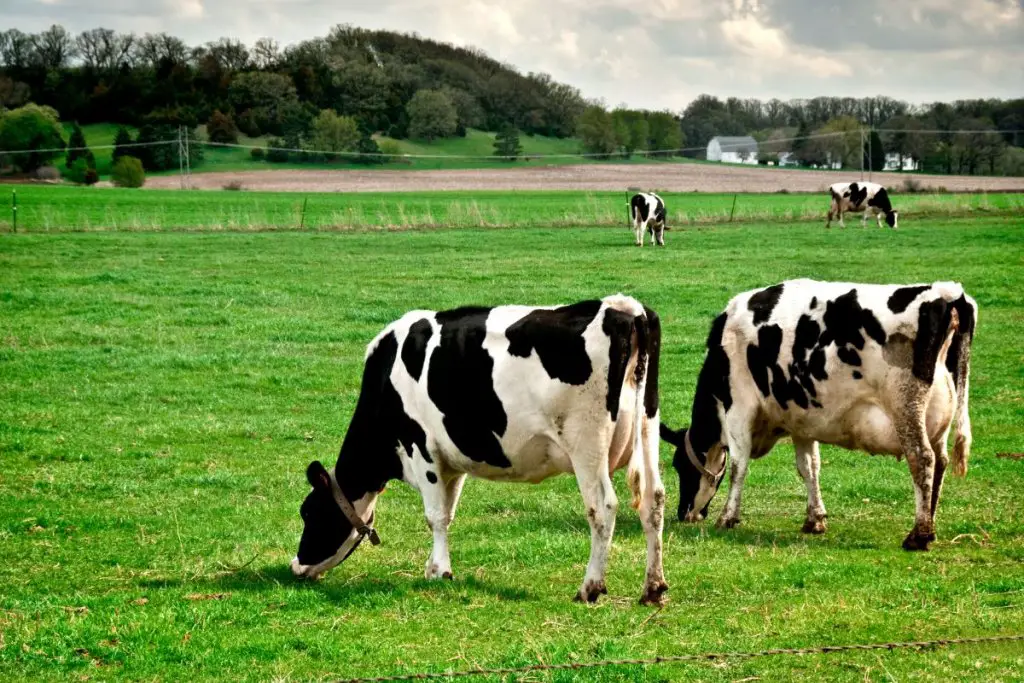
[892, 163]
[735, 150]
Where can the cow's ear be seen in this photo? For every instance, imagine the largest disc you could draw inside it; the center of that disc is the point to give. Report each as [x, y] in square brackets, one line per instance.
[317, 476]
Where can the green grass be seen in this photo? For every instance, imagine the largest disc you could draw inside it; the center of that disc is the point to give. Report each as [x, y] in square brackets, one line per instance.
[162, 393]
[43, 208]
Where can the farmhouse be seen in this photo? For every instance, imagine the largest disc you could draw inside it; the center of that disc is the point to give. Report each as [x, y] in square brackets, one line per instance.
[735, 150]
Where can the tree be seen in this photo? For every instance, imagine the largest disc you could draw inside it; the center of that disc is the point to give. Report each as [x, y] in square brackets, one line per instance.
[128, 172]
[221, 128]
[596, 131]
[121, 142]
[333, 133]
[431, 115]
[666, 136]
[369, 151]
[506, 143]
[874, 153]
[78, 149]
[840, 142]
[34, 133]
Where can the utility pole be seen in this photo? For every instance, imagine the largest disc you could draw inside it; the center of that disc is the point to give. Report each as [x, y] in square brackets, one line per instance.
[188, 162]
[871, 158]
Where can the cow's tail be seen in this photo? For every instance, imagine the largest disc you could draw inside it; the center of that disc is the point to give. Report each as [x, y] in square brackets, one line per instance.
[644, 459]
[958, 362]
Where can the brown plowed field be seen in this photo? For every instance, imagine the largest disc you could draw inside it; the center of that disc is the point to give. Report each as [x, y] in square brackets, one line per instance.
[665, 177]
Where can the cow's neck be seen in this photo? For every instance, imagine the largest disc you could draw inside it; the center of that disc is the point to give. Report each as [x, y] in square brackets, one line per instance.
[365, 470]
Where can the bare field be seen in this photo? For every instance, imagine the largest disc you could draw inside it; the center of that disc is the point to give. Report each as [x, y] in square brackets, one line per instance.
[667, 177]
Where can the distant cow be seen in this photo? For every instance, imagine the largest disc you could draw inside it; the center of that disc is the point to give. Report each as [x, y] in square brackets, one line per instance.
[878, 368]
[862, 198]
[648, 213]
[511, 393]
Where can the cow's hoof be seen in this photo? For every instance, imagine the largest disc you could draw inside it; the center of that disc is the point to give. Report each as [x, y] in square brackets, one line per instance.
[916, 540]
[654, 594]
[591, 591]
[729, 523]
[691, 517]
[814, 526]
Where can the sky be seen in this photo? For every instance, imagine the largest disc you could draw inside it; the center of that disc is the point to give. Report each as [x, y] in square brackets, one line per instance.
[655, 54]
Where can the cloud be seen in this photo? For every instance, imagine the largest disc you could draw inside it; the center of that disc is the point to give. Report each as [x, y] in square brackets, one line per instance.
[655, 54]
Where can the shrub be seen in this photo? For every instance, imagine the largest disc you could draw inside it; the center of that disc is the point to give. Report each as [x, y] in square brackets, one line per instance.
[233, 186]
[275, 154]
[31, 128]
[912, 186]
[258, 153]
[91, 176]
[389, 148]
[48, 173]
[78, 170]
[221, 128]
[128, 172]
[369, 151]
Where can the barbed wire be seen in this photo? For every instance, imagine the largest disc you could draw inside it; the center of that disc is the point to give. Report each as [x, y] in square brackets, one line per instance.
[676, 659]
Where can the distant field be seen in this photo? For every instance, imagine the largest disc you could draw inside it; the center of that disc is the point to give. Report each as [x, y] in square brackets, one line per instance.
[162, 393]
[44, 208]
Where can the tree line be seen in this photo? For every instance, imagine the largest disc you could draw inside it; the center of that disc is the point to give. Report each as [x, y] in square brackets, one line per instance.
[334, 93]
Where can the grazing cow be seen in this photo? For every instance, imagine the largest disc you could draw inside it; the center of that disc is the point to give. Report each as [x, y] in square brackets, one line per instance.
[878, 368]
[510, 393]
[648, 213]
[861, 197]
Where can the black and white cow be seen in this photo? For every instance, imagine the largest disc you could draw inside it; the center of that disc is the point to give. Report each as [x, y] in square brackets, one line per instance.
[510, 393]
[878, 368]
[861, 197]
[648, 213]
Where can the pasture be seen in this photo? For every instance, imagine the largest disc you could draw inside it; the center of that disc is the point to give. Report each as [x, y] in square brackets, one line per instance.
[161, 394]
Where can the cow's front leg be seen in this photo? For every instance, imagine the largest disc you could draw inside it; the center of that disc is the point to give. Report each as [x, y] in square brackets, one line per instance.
[808, 464]
[640, 228]
[601, 504]
[661, 235]
[439, 500]
[739, 449]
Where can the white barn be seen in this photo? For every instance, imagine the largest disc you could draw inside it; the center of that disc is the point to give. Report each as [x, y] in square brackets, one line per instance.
[735, 150]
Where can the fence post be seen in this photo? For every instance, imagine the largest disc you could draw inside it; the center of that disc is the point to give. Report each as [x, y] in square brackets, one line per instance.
[14, 210]
[733, 210]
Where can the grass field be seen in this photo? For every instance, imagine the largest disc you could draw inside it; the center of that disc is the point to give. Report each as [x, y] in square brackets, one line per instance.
[162, 393]
[75, 208]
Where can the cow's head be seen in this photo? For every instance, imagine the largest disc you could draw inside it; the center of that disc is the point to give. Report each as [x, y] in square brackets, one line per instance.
[328, 537]
[698, 482]
[891, 218]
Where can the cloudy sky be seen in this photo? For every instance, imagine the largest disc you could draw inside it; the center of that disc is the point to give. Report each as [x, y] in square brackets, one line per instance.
[648, 53]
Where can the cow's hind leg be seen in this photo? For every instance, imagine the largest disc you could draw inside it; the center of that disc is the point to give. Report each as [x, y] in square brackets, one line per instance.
[941, 463]
[439, 501]
[652, 517]
[921, 460]
[808, 464]
[601, 505]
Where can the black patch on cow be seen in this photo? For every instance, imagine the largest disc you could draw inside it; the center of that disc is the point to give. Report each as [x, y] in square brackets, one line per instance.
[817, 364]
[848, 356]
[414, 349]
[857, 375]
[639, 207]
[758, 369]
[460, 383]
[659, 210]
[763, 303]
[619, 328]
[904, 296]
[431, 477]
[932, 324]
[857, 194]
[814, 302]
[653, 360]
[844, 320]
[805, 353]
[557, 337]
[881, 201]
